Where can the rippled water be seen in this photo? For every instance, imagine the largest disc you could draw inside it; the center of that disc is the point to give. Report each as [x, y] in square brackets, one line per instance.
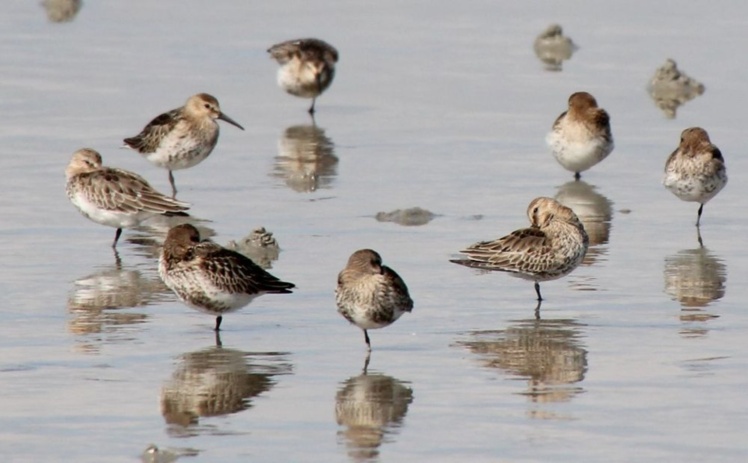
[639, 355]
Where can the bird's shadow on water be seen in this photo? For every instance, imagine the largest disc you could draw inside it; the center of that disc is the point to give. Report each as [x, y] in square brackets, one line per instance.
[217, 381]
[370, 409]
[98, 303]
[696, 278]
[306, 160]
[149, 237]
[548, 354]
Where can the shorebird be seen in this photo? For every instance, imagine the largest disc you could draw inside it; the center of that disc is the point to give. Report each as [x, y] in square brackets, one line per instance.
[696, 170]
[113, 197]
[581, 137]
[551, 248]
[371, 295]
[211, 278]
[307, 67]
[182, 137]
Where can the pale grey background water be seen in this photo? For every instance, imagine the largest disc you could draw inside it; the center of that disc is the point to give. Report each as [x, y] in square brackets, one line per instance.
[641, 355]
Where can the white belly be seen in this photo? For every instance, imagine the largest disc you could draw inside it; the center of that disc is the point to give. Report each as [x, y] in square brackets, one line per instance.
[578, 155]
[111, 218]
[180, 152]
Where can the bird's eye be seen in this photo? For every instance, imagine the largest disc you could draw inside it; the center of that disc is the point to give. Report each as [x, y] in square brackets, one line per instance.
[207, 105]
[535, 211]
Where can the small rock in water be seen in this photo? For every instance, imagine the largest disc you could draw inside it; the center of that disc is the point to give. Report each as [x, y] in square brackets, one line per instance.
[153, 454]
[670, 88]
[407, 217]
[259, 245]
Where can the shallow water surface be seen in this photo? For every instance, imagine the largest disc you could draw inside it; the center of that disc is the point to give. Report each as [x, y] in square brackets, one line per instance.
[639, 355]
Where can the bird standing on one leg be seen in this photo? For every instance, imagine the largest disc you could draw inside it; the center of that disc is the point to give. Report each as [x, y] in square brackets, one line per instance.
[371, 295]
[182, 137]
[581, 136]
[696, 170]
[307, 67]
[114, 197]
[211, 278]
[551, 248]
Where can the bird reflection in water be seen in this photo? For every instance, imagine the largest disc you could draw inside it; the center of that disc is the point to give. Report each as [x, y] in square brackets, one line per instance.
[553, 48]
[97, 300]
[217, 381]
[695, 278]
[596, 213]
[372, 407]
[60, 11]
[149, 237]
[306, 160]
[547, 353]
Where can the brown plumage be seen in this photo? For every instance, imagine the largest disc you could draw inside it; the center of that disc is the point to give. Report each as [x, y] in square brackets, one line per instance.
[307, 67]
[581, 135]
[114, 197]
[371, 295]
[696, 170]
[183, 137]
[551, 248]
[211, 278]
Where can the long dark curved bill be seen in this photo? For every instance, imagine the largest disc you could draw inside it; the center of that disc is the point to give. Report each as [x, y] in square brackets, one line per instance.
[226, 118]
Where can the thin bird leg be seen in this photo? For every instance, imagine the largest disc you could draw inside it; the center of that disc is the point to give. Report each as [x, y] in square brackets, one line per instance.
[173, 186]
[219, 319]
[537, 310]
[698, 219]
[698, 236]
[368, 343]
[366, 362]
[577, 176]
[218, 339]
[537, 290]
[318, 78]
[117, 234]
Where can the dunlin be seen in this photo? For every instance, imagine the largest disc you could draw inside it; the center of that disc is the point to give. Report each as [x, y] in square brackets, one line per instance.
[696, 170]
[210, 278]
[113, 197]
[581, 137]
[182, 137]
[551, 248]
[371, 295]
[307, 67]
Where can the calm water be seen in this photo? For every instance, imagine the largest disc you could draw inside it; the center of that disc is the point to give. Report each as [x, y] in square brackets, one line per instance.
[639, 355]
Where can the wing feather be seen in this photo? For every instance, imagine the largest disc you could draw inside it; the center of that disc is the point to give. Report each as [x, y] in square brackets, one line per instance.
[235, 273]
[148, 140]
[527, 250]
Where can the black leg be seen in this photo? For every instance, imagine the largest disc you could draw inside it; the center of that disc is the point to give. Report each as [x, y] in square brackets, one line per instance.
[117, 234]
[537, 291]
[368, 343]
[577, 176]
[311, 108]
[537, 310]
[219, 319]
[698, 219]
[218, 339]
[173, 186]
[366, 362]
[698, 236]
